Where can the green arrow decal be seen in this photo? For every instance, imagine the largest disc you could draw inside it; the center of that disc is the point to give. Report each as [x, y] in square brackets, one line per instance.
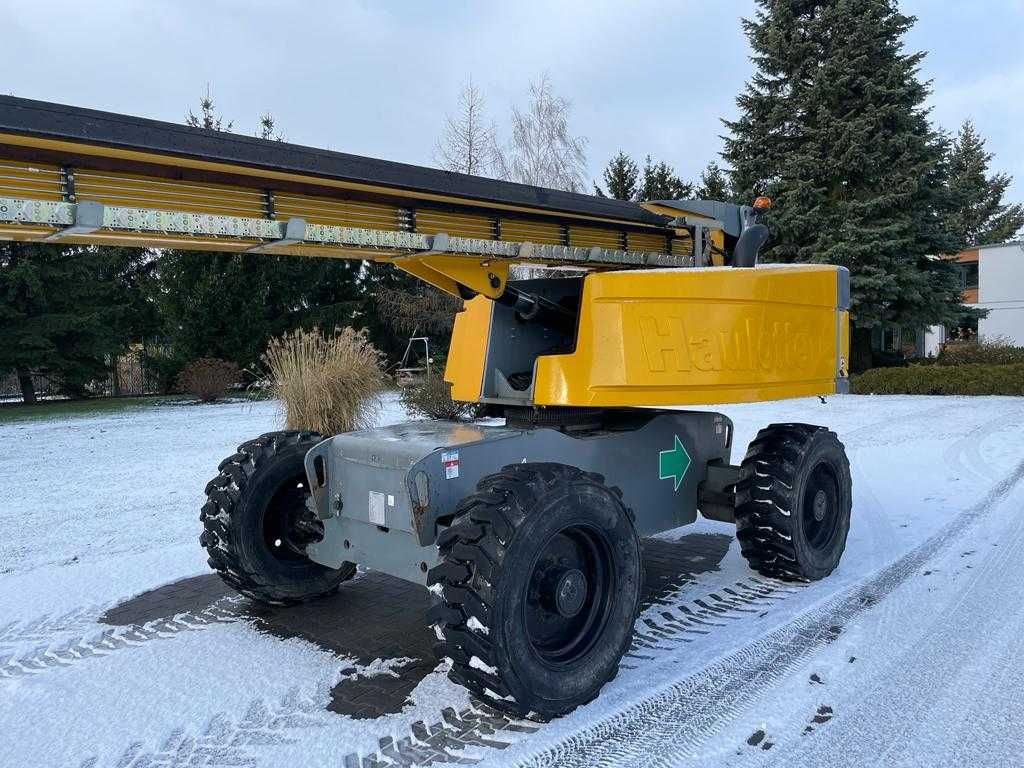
[672, 464]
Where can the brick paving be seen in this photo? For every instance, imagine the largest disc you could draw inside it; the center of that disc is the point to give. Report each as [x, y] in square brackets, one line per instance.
[381, 617]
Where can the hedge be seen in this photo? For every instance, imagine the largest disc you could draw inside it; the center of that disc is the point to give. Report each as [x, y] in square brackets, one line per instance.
[972, 379]
[992, 353]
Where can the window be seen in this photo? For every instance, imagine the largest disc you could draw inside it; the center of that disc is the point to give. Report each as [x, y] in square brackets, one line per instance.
[891, 339]
[885, 338]
[969, 275]
[965, 330]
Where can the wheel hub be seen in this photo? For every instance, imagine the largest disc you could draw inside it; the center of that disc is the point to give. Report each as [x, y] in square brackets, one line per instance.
[570, 593]
[820, 505]
[820, 508]
[289, 526]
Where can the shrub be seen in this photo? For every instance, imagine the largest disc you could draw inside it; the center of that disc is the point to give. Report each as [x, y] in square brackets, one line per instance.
[971, 379]
[993, 352]
[208, 378]
[162, 368]
[432, 399]
[329, 384]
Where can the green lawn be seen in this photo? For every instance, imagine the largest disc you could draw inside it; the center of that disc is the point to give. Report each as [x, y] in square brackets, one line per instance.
[17, 412]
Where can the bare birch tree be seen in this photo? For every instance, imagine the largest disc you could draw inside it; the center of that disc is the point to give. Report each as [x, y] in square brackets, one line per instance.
[542, 151]
[468, 144]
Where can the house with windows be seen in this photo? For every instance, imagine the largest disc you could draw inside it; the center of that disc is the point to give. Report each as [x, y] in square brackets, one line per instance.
[992, 277]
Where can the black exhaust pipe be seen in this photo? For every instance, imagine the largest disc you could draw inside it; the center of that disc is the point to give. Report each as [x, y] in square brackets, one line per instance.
[750, 242]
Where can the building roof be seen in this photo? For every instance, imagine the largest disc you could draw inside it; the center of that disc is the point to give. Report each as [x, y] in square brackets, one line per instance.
[964, 257]
[1019, 243]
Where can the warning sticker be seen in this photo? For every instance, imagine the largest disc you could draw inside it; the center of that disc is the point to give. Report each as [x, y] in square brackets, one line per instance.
[450, 462]
[377, 509]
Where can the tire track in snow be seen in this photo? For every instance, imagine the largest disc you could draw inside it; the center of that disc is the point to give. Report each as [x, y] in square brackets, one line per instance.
[467, 736]
[962, 658]
[868, 434]
[464, 737]
[666, 624]
[60, 653]
[47, 627]
[458, 737]
[661, 628]
[668, 727]
[965, 451]
[226, 741]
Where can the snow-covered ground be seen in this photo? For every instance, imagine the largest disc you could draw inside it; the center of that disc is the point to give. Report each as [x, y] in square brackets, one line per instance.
[907, 655]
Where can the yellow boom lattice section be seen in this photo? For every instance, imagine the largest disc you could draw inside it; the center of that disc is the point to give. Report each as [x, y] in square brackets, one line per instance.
[523, 230]
[134, 191]
[129, 182]
[40, 182]
[429, 221]
[682, 246]
[590, 236]
[641, 241]
[333, 211]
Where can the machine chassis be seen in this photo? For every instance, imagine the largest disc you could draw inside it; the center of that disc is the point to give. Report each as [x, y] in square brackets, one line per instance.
[384, 495]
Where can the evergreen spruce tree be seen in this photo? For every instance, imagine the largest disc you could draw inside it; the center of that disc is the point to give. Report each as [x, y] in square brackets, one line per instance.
[660, 182]
[834, 128]
[267, 129]
[66, 310]
[713, 184]
[980, 217]
[229, 305]
[208, 117]
[620, 178]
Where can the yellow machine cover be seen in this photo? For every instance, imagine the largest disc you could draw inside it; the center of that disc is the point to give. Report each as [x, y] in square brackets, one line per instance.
[684, 337]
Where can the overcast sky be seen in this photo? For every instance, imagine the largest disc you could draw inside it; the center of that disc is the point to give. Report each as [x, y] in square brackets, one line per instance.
[376, 78]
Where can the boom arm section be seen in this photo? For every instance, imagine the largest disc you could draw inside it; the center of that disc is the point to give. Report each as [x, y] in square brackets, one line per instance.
[81, 176]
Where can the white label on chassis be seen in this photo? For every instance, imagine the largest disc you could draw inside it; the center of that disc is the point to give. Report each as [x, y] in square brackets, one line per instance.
[377, 508]
[450, 462]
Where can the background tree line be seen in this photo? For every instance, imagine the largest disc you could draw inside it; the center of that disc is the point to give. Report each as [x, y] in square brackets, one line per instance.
[832, 125]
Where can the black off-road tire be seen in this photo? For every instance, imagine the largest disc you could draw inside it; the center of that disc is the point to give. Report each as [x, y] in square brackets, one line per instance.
[258, 491]
[538, 588]
[793, 503]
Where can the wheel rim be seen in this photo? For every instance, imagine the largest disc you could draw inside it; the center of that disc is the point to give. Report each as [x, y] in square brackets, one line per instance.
[568, 596]
[288, 525]
[820, 514]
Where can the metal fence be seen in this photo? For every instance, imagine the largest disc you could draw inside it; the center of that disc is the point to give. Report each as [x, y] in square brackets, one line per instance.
[127, 375]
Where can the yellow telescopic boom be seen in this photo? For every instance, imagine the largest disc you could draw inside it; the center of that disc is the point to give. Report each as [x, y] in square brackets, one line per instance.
[659, 319]
[81, 176]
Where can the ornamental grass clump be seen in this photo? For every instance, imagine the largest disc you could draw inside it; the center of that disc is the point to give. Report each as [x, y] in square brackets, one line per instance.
[325, 383]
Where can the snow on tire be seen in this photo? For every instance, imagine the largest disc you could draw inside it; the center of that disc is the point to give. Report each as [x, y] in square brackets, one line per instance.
[540, 580]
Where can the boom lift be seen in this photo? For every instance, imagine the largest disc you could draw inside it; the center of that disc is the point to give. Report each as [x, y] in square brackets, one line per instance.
[528, 534]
